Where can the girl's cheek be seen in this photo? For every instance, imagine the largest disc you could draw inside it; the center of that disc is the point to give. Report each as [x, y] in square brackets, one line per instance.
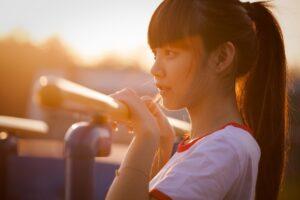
[176, 69]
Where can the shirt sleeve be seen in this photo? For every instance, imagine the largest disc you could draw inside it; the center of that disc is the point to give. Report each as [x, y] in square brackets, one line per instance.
[206, 173]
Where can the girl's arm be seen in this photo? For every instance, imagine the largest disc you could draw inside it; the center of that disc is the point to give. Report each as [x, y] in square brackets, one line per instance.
[162, 156]
[132, 181]
[151, 128]
[167, 138]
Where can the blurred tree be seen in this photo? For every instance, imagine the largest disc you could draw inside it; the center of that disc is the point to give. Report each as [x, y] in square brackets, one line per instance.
[19, 60]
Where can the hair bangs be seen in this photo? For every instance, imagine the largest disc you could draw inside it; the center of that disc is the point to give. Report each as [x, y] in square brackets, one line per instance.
[170, 25]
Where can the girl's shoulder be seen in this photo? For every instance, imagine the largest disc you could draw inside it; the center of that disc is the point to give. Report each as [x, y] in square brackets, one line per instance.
[240, 138]
[233, 137]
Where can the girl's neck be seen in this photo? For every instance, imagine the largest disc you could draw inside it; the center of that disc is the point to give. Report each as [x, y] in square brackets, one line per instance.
[212, 113]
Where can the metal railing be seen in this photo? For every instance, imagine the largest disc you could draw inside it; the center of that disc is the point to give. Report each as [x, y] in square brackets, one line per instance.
[85, 140]
[12, 128]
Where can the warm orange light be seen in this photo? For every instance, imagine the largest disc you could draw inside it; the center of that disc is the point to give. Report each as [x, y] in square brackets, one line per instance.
[3, 135]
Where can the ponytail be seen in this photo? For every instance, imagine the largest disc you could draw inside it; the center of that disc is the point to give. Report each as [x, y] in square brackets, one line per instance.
[264, 100]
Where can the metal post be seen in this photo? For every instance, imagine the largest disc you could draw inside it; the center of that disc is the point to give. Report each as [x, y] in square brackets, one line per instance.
[8, 146]
[83, 142]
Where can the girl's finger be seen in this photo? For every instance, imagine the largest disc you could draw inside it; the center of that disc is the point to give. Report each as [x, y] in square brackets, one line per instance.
[141, 120]
[149, 102]
[157, 111]
[132, 100]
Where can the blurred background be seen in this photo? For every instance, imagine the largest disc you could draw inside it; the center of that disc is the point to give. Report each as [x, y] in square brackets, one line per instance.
[103, 45]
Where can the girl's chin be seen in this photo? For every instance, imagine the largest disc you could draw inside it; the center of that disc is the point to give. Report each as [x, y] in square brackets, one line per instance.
[170, 104]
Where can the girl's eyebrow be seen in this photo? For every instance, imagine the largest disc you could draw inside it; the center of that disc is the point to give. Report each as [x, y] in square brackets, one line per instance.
[173, 47]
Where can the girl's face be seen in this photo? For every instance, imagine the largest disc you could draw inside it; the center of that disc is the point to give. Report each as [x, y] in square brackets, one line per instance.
[180, 75]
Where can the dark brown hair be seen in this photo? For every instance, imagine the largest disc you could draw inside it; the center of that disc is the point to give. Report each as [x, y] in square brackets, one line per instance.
[260, 68]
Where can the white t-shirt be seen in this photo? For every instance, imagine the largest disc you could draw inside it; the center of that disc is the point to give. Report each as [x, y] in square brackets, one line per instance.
[219, 165]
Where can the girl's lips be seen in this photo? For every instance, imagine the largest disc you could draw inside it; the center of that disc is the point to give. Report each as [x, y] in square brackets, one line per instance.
[162, 88]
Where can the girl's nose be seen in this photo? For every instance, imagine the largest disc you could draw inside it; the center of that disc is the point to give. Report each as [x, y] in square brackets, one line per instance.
[157, 71]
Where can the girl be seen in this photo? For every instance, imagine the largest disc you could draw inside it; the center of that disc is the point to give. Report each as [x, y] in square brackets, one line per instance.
[225, 62]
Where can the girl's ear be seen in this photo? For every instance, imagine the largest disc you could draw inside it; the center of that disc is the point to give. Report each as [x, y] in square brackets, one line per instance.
[222, 57]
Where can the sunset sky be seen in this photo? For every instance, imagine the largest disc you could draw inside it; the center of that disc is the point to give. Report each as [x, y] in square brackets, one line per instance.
[93, 28]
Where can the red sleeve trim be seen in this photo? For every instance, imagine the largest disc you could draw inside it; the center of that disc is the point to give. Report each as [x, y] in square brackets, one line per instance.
[159, 195]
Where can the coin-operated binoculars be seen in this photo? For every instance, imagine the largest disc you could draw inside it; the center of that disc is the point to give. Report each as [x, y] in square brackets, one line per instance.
[85, 140]
[12, 128]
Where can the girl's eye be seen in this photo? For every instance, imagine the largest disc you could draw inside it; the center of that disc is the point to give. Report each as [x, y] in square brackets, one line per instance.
[169, 53]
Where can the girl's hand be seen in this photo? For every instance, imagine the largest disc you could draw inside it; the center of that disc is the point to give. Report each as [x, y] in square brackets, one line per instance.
[167, 133]
[142, 121]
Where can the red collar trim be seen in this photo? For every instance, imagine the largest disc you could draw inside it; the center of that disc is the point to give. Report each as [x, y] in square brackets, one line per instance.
[159, 195]
[183, 147]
